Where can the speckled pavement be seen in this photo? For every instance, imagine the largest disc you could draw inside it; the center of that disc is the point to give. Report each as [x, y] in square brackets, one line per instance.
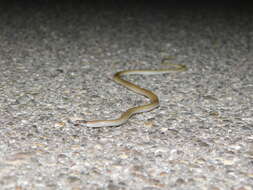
[57, 62]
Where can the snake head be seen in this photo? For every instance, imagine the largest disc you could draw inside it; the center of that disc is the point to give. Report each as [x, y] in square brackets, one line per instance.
[81, 123]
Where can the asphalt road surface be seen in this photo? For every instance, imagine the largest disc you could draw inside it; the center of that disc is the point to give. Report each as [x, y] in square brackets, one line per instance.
[57, 60]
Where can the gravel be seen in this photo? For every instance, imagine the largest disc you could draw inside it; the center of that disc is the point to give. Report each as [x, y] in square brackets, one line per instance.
[57, 60]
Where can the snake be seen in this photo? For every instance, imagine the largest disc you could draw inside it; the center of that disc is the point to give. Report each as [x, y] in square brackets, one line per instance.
[154, 100]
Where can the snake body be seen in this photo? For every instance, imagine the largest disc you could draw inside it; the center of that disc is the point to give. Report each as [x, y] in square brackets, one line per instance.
[154, 101]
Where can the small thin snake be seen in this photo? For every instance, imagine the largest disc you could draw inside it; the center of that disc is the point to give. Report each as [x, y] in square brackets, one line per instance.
[154, 101]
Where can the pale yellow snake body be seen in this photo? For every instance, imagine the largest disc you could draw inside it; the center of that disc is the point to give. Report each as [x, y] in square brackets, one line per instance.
[154, 101]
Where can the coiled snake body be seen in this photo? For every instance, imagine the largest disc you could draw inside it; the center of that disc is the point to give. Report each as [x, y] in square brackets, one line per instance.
[154, 101]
